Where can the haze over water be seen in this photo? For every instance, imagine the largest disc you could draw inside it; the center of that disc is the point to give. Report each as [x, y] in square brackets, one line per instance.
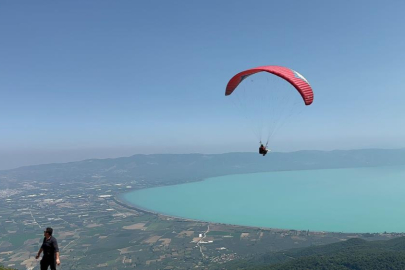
[339, 200]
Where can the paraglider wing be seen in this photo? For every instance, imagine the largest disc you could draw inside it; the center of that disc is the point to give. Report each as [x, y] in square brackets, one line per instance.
[293, 77]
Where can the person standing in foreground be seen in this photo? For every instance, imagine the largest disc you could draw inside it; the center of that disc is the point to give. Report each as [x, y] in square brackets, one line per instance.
[50, 249]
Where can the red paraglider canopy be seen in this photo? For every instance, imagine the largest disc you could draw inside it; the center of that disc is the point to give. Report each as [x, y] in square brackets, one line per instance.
[293, 77]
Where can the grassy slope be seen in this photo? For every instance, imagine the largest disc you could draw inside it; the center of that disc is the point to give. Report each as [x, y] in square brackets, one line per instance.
[351, 254]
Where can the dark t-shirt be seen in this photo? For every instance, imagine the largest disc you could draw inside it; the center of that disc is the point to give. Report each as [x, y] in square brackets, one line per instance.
[50, 247]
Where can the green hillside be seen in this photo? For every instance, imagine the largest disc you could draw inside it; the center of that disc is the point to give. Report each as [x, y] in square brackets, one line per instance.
[351, 254]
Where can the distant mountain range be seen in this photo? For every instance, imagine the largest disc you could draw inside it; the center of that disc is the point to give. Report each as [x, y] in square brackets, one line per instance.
[178, 168]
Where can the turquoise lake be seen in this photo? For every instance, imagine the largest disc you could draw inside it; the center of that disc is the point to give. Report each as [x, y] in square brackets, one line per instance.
[338, 200]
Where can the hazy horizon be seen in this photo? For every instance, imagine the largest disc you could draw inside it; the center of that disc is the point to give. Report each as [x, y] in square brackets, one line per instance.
[116, 79]
[69, 155]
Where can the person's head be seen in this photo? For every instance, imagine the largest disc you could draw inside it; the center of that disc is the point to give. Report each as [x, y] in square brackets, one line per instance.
[261, 145]
[48, 232]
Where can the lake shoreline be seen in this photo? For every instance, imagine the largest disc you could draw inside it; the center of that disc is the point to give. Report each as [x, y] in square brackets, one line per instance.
[120, 201]
[293, 187]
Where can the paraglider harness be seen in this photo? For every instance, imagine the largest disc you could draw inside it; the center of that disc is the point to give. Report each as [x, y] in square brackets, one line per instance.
[263, 149]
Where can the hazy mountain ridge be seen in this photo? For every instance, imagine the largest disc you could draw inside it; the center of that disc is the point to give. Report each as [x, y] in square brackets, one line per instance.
[170, 168]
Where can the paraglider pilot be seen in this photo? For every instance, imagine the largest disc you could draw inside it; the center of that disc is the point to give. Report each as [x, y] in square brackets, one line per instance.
[262, 150]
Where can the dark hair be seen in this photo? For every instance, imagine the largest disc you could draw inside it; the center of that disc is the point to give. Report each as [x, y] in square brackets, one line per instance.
[49, 230]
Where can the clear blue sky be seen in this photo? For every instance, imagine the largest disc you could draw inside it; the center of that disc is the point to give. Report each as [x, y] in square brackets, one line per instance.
[84, 79]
